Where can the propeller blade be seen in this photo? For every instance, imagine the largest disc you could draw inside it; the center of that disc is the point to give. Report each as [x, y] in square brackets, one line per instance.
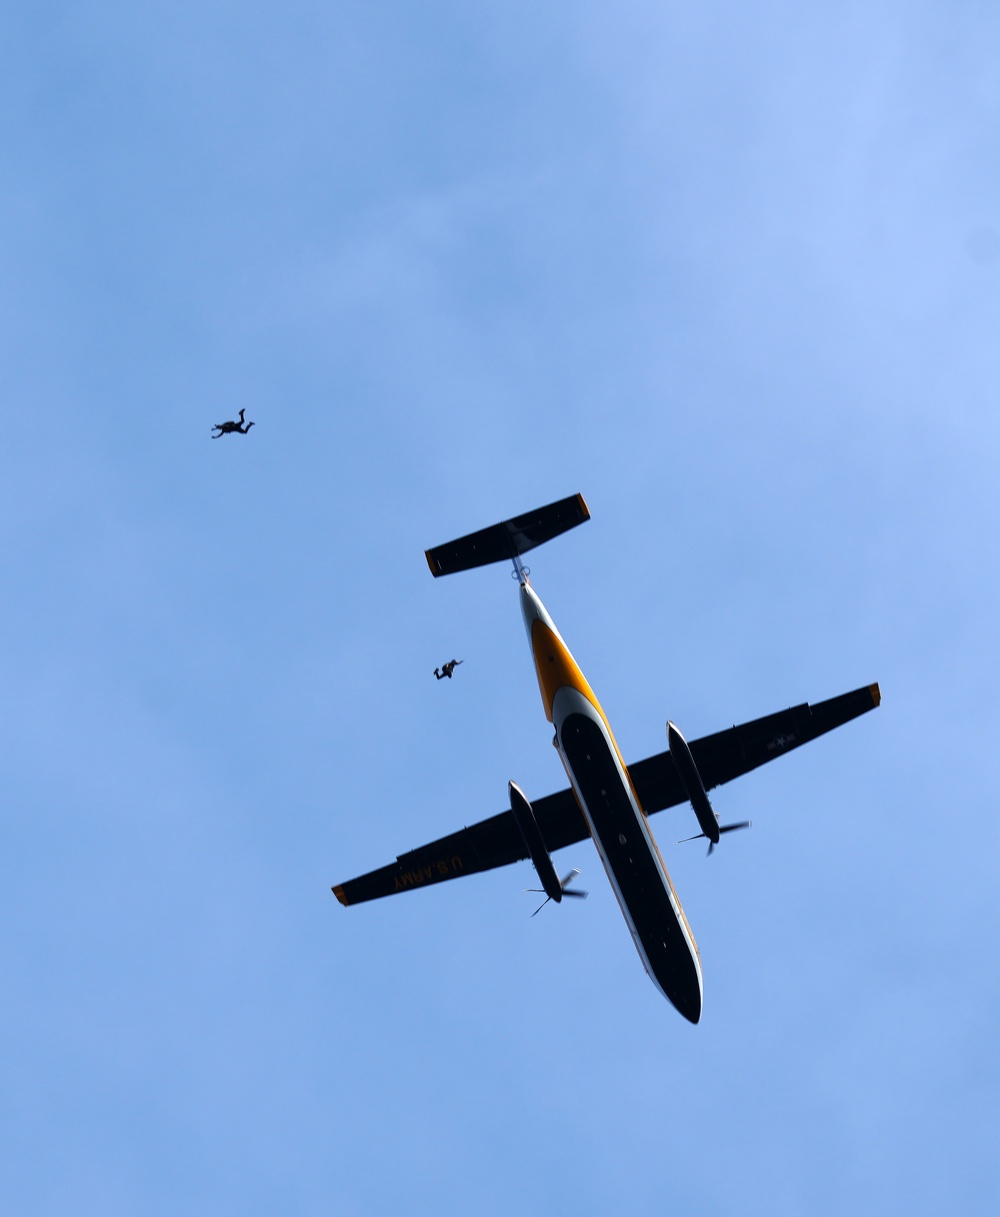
[572, 891]
[733, 827]
[697, 836]
[565, 891]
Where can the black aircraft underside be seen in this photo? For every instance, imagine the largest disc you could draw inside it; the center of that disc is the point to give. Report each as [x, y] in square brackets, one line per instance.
[640, 887]
[721, 757]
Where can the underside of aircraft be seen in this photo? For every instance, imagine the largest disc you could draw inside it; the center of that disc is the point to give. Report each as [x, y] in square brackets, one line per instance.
[606, 799]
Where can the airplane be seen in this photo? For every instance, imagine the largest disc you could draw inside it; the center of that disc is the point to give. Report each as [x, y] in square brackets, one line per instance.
[607, 800]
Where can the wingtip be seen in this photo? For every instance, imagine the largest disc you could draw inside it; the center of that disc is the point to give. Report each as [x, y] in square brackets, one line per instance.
[583, 506]
[876, 693]
[338, 891]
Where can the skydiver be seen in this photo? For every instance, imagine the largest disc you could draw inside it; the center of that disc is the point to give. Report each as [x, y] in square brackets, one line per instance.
[447, 669]
[232, 427]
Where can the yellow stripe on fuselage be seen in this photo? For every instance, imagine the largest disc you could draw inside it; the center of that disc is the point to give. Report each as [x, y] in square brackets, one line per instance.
[557, 669]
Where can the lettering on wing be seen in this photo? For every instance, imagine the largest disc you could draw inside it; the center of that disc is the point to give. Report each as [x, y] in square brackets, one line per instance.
[443, 868]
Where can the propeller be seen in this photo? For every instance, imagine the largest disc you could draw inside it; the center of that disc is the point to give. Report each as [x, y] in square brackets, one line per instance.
[722, 828]
[566, 891]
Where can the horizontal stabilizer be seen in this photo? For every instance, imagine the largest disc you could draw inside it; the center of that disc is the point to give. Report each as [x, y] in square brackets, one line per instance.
[504, 541]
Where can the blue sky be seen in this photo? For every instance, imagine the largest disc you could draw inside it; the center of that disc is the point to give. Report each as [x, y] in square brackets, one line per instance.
[731, 272]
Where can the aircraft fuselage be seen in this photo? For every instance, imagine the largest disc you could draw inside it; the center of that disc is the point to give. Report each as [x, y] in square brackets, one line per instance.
[616, 820]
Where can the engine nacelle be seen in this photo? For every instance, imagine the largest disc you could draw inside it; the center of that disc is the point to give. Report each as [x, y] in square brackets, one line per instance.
[534, 842]
[694, 787]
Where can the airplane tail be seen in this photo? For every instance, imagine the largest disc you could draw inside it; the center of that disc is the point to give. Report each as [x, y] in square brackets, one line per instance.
[506, 541]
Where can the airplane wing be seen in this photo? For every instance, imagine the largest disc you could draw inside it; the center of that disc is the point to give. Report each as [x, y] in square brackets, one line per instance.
[729, 754]
[719, 757]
